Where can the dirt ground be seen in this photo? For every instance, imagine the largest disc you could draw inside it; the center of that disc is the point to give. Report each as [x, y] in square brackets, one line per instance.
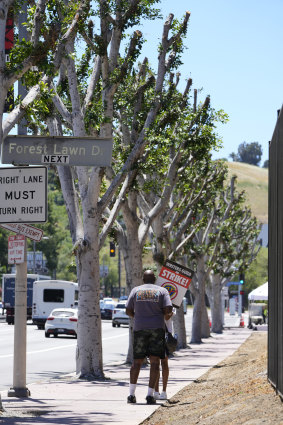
[234, 392]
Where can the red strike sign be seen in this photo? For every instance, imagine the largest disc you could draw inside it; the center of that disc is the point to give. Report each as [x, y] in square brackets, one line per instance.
[176, 279]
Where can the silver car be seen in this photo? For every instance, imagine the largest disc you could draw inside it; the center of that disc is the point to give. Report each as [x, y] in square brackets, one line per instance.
[119, 315]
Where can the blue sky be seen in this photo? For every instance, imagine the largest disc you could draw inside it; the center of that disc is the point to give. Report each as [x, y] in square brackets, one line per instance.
[234, 53]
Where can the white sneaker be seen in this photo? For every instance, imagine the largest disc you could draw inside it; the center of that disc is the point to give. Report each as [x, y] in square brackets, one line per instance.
[156, 395]
[163, 396]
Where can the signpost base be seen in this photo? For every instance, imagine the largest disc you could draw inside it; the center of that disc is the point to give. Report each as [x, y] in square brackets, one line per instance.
[19, 392]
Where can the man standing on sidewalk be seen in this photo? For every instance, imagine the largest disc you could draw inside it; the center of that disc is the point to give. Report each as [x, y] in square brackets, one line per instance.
[149, 305]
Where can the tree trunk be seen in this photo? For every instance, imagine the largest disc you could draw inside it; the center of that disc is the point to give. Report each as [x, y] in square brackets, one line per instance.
[89, 348]
[85, 236]
[180, 328]
[196, 324]
[135, 268]
[216, 305]
[197, 288]
[205, 329]
[132, 253]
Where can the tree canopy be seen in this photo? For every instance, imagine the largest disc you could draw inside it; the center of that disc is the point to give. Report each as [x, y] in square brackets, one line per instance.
[84, 79]
[250, 153]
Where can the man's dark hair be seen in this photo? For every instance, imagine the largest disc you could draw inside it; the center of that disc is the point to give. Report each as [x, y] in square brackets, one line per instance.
[148, 276]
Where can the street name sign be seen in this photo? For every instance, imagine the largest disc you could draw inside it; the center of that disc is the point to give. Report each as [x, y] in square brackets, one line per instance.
[16, 249]
[24, 229]
[176, 279]
[24, 150]
[23, 195]
[233, 283]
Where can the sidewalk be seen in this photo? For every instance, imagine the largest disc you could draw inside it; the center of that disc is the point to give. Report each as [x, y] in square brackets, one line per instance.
[66, 401]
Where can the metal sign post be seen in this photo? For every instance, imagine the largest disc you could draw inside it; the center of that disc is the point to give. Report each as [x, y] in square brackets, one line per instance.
[19, 388]
[240, 300]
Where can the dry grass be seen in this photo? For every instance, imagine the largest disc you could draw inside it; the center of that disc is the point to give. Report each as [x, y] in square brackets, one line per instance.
[254, 181]
[235, 392]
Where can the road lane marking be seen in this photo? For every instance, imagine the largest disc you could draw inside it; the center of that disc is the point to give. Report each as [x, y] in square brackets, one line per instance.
[60, 347]
[116, 336]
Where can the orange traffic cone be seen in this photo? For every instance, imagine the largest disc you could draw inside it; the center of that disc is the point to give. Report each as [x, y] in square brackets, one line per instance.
[242, 322]
[210, 323]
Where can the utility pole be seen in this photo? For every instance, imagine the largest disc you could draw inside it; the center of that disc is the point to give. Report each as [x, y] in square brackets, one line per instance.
[119, 271]
[19, 388]
[239, 301]
[23, 16]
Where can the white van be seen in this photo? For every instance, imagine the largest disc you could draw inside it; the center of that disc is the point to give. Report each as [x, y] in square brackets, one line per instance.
[50, 294]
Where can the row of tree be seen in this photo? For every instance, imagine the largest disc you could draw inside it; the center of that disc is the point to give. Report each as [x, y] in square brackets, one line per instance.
[162, 189]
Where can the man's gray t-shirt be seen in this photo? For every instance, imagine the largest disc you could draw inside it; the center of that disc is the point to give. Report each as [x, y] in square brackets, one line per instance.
[147, 301]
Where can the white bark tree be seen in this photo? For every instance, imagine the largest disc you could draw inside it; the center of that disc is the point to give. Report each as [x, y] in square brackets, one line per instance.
[173, 228]
[91, 208]
[29, 57]
[190, 138]
[100, 206]
[133, 235]
[145, 207]
[226, 240]
[237, 248]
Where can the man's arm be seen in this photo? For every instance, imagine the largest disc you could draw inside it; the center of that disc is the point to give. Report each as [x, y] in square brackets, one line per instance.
[130, 312]
[167, 311]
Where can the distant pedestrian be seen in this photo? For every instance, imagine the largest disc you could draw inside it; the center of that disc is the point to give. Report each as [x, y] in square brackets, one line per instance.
[149, 305]
[264, 315]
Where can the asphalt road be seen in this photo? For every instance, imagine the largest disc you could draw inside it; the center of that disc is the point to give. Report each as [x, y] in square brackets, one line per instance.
[50, 357]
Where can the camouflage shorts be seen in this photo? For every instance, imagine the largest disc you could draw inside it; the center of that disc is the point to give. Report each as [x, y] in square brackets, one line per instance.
[149, 342]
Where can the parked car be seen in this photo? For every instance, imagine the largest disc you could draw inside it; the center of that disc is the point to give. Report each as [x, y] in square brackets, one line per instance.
[255, 314]
[123, 298]
[2, 311]
[107, 310]
[119, 315]
[62, 321]
[51, 294]
[108, 300]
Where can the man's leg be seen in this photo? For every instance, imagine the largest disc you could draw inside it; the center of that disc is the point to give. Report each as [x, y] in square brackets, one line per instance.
[135, 370]
[165, 375]
[165, 372]
[154, 370]
[153, 376]
[134, 374]
[156, 386]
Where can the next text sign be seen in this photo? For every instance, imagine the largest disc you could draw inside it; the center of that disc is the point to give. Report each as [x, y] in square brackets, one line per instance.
[28, 150]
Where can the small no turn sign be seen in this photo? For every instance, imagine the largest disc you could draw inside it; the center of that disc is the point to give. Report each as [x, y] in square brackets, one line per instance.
[16, 249]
